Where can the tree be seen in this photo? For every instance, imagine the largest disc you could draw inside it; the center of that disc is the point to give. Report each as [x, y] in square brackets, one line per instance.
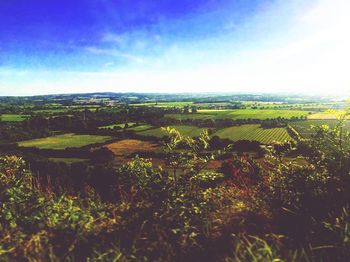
[186, 109]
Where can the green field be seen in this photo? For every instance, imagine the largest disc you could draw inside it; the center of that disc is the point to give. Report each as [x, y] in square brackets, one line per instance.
[240, 114]
[254, 133]
[114, 125]
[141, 128]
[13, 117]
[64, 141]
[164, 104]
[304, 128]
[184, 129]
[67, 160]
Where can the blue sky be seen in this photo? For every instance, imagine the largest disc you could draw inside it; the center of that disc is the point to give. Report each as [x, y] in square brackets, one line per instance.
[51, 46]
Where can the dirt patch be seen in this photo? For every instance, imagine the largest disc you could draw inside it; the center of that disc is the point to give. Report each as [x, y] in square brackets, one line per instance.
[124, 149]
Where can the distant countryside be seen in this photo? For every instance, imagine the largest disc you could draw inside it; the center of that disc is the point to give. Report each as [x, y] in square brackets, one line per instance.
[193, 161]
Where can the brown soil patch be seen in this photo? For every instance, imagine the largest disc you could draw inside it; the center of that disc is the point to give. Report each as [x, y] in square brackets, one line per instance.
[125, 148]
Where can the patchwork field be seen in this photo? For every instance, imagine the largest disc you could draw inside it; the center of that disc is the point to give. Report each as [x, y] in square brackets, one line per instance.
[254, 132]
[64, 141]
[13, 117]
[183, 129]
[240, 114]
[235, 133]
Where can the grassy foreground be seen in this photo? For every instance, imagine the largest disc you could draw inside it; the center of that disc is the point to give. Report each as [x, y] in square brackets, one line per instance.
[286, 212]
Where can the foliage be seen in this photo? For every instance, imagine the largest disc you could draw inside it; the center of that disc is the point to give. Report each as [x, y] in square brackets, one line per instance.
[272, 210]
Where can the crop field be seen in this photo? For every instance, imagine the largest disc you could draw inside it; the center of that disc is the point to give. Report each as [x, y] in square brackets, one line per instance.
[240, 114]
[254, 133]
[322, 116]
[293, 106]
[304, 128]
[13, 117]
[64, 141]
[186, 130]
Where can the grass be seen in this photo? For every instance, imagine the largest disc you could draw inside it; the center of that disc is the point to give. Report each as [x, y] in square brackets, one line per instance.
[240, 114]
[64, 141]
[13, 117]
[114, 125]
[67, 160]
[141, 128]
[254, 133]
[184, 129]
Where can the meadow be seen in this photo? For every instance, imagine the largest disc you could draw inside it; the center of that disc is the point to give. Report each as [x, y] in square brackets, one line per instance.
[13, 117]
[240, 114]
[64, 141]
[130, 124]
[254, 132]
[141, 128]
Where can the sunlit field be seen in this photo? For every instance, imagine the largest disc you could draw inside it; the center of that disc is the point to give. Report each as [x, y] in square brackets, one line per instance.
[255, 133]
[13, 117]
[64, 141]
[241, 114]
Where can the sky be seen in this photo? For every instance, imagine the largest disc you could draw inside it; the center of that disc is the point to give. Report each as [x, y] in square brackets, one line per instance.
[263, 46]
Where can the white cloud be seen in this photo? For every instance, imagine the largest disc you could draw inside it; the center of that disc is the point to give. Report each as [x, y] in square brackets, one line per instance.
[116, 54]
[310, 55]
